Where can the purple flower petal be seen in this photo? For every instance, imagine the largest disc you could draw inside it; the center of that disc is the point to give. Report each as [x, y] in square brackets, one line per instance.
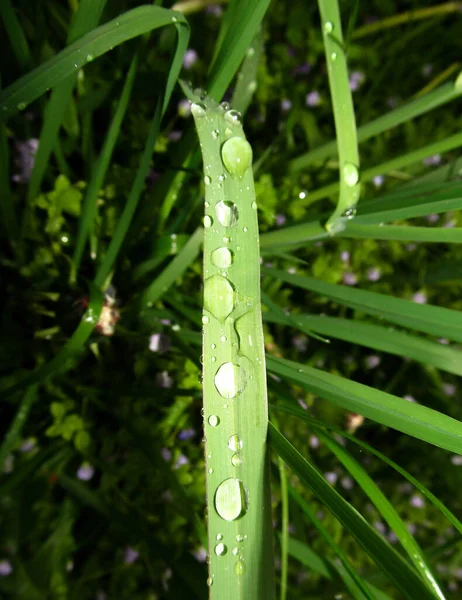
[130, 555]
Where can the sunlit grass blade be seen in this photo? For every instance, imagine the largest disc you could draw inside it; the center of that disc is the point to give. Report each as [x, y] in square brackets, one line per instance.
[15, 34]
[418, 421]
[246, 82]
[16, 427]
[131, 24]
[378, 337]
[435, 320]
[289, 406]
[410, 110]
[387, 511]
[403, 233]
[174, 270]
[344, 116]
[386, 558]
[234, 377]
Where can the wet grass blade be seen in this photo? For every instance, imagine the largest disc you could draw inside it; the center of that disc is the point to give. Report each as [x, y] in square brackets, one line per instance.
[386, 558]
[419, 421]
[435, 320]
[403, 233]
[234, 377]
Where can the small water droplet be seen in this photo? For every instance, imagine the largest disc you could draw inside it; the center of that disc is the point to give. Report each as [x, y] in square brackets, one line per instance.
[219, 537]
[213, 346]
[236, 154]
[236, 460]
[215, 133]
[230, 380]
[328, 27]
[239, 538]
[234, 442]
[207, 180]
[250, 52]
[226, 239]
[227, 213]
[208, 221]
[235, 550]
[89, 57]
[230, 501]
[225, 106]
[222, 258]
[350, 174]
[174, 19]
[213, 421]
[210, 471]
[254, 205]
[239, 568]
[220, 549]
[223, 338]
[252, 86]
[21, 106]
[245, 230]
[333, 56]
[198, 110]
[205, 320]
[206, 204]
[209, 581]
[233, 117]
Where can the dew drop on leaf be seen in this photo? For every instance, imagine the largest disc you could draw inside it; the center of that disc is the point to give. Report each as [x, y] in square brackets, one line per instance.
[230, 501]
[236, 154]
[230, 380]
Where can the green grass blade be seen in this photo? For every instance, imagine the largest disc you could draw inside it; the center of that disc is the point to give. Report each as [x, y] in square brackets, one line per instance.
[246, 82]
[419, 421]
[17, 425]
[99, 41]
[234, 377]
[15, 34]
[403, 233]
[435, 320]
[344, 116]
[288, 406]
[9, 220]
[388, 512]
[386, 558]
[174, 270]
[89, 205]
[410, 110]
[378, 337]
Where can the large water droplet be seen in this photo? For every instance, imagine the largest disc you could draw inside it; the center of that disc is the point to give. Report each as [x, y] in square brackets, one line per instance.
[205, 319]
[233, 117]
[222, 258]
[237, 155]
[219, 296]
[230, 501]
[207, 180]
[213, 421]
[234, 443]
[220, 549]
[328, 27]
[208, 221]
[230, 380]
[198, 110]
[227, 213]
[350, 174]
[239, 568]
[236, 460]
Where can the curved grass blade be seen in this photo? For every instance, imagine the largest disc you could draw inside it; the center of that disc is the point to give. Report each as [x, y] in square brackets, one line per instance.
[419, 421]
[131, 24]
[403, 233]
[290, 407]
[344, 116]
[17, 425]
[377, 337]
[388, 512]
[435, 320]
[386, 558]
[235, 400]
[15, 34]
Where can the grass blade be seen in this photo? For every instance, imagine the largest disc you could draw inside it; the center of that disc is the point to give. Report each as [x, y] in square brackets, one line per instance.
[15, 34]
[17, 425]
[403, 233]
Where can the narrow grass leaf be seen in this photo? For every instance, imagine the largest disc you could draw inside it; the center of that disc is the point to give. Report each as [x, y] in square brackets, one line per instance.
[16, 427]
[7, 208]
[15, 34]
[246, 81]
[403, 233]
[419, 421]
[385, 557]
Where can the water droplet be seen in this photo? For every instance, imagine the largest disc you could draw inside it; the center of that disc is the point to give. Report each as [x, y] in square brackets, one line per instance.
[219, 537]
[235, 550]
[222, 258]
[230, 380]
[334, 56]
[219, 296]
[225, 106]
[234, 443]
[350, 213]
[207, 180]
[210, 471]
[236, 154]
[214, 359]
[174, 19]
[209, 581]
[250, 52]
[205, 320]
[227, 213]
[21, 106]
[239, 568]
[206, 204]
[226, 239]
[328, 27]
[254, 205]
[239, 538]
[245, 230]
[198, 110]
[213, 421]
[213, 346]
[233, 117]
[220, 549]
[236, 460]
[230, 501]
[223, 338]
[252, 87]
[89, 57]
[350, 174]
[208, 221]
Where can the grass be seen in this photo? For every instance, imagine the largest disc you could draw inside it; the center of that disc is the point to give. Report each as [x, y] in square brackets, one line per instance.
[137, 312]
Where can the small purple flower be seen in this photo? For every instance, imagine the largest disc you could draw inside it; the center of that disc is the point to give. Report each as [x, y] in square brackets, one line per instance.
[345, 256]
[392, 537]
[130, 555]
[449, 389]
[186, 434]
[184, 108]
[411, 247]
[313, 98]
[373, 274]
[280, 220]
[200, 554]
[347, 483]
[380, 527]
[411, 528]
[392, 102]
[420, 298]
[456, 460]
[85, 472]
[175, 135]
[180, 461]
[159, 342]
[300, 343]
[27, 445]
[409, 398]
[434, 160]
[5, 568]
[286, 105]
[356, 79]
[166, 454]
[350, 279]
[417, 501]
[164, 380]
[291, 528]
[190, 58]
[378, 180]
[214, 9]
[331, 477]
[25, 160]
[303, 69]
[427, 70]
[314, 441]
[373, 361]
[434, 218]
